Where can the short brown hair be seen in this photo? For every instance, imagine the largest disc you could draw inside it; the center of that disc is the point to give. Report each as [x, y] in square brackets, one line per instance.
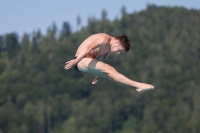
[124, 41]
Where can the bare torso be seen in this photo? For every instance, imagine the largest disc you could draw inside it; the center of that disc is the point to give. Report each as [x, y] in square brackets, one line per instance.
[103, 47]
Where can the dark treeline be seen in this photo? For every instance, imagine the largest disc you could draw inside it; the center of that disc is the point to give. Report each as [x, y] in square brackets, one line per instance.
[38, 96]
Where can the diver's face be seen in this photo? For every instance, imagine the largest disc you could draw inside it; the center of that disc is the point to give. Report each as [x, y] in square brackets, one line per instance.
[117, 48]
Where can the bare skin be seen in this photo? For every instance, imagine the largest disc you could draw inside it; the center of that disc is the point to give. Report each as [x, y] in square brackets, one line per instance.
[101, 45]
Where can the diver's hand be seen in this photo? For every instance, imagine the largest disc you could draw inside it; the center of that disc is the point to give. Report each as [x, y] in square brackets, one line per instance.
[70, 64]
[96, 80]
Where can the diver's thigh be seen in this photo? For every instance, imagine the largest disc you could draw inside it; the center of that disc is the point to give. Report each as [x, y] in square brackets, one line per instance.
[92, 66]
[83, 64]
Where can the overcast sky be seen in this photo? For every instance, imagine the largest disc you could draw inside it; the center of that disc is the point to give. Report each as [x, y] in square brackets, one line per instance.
[25, 16]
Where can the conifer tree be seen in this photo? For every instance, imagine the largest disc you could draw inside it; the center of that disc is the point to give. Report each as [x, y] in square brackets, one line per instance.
[12, 44]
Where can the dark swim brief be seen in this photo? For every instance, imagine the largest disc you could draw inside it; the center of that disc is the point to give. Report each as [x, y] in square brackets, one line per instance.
[76, 67]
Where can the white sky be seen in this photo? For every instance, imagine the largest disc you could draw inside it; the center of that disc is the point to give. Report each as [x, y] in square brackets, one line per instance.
[25, 16]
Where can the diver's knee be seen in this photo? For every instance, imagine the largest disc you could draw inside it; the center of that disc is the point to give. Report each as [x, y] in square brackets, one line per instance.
[109, 70]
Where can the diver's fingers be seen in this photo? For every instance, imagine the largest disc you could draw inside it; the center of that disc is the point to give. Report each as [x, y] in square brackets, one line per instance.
[68, 66]
[94, 82]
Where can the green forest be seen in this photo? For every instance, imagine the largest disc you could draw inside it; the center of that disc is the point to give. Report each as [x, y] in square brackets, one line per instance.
[38, 96]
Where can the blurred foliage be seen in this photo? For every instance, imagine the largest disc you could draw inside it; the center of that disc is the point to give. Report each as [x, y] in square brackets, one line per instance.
[38, 96]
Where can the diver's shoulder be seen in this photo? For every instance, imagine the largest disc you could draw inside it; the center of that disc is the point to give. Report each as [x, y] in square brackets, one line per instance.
[101, 34]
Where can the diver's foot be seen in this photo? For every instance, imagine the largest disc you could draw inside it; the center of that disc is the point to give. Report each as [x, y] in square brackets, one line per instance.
[144, 87]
